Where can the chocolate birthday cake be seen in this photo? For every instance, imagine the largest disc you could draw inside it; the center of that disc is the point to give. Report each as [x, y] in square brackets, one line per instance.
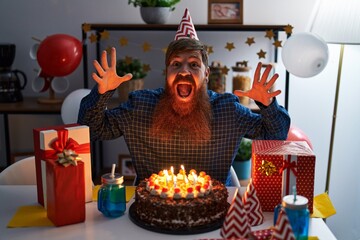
[180, 202]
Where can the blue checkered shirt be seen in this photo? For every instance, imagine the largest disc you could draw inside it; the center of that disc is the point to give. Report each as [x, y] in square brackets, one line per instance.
[230, 123]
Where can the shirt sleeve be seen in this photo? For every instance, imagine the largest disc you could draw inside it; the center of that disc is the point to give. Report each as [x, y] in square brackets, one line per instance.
[93, 112]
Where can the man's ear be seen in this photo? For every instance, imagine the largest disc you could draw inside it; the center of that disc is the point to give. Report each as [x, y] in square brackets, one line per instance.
[207, 73]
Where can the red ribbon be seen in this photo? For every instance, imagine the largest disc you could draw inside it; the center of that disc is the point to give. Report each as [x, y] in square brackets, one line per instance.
[287, 164]
[63, 142]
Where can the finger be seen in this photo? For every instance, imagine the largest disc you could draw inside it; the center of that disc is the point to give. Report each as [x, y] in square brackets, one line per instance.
[113, 57]
[241, 93]
[271, 82]
[98, 68]
[127, 77]
[275, 93]
[257, 73]
[96, 78]
[104, 62]
[265, 74]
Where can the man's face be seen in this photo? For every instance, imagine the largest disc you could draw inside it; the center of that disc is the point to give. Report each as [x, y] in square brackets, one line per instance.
[186, 74]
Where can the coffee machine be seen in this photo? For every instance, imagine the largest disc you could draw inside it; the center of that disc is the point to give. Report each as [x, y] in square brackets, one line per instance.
[12, 81]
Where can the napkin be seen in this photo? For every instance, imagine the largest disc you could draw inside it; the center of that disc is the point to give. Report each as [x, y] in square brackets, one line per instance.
[30, 216]
[323, 207]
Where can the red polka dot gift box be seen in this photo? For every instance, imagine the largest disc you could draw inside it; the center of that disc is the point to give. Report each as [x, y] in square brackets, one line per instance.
[277, 166]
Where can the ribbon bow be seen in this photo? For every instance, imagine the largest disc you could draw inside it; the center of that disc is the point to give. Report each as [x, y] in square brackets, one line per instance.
[287, 164]
[65, 150]
[267, 168]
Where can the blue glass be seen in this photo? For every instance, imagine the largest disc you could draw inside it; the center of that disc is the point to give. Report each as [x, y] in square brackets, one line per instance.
[112, 196]
[299, 221]
[297, 213]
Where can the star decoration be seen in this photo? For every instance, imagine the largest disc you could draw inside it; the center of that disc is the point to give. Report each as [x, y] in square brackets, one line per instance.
[86, 27]
[123, 41]
[93, 38]
[267, 168]
[104, 35]
[261, 54]
[225, 70]
[108, 49]
[277, 43]
[146, 47]
[146, 67]
[209, 49]
[249, 41]
[128, 60]
[164, 49]
[288, 29]
[269, 34]
[229, 46]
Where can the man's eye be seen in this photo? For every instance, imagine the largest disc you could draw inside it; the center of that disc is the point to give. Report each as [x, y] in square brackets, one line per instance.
[175, 64]
[195, 65]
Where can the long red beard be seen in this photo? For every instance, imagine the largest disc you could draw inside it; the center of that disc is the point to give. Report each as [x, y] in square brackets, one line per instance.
[192, 120]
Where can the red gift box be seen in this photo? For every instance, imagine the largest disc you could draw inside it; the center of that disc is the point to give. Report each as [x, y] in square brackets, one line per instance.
[65, 189]
[277, 166]
[78, 138]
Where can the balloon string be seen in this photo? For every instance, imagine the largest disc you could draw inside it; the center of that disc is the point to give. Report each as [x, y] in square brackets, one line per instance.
[36, 39]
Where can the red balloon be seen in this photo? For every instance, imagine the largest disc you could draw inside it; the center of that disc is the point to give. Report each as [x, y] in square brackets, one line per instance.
[59, 55]
[296, 134]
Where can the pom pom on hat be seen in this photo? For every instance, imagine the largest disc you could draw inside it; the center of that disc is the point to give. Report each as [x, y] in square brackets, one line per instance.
[186, 28]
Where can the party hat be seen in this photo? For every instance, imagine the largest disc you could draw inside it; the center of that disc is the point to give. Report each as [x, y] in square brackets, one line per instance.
[186, 28]
[252, 206]
[282, 229]
[236, 224]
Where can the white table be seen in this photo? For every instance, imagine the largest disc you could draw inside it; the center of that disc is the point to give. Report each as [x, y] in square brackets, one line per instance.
[97, 226]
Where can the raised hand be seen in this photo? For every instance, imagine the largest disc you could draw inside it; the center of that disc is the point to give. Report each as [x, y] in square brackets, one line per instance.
[106, 76]
[261, 87]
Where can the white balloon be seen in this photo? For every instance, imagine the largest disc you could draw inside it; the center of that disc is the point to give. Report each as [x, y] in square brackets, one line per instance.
[71, 105]
[305, 54]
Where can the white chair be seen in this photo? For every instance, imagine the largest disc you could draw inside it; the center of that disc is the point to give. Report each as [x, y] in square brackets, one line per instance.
[234, 180]
[22, 172]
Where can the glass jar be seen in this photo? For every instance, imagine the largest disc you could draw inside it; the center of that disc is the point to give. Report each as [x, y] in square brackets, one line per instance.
[111, 195]
[242, 80]
[217, 79]
[297, 211]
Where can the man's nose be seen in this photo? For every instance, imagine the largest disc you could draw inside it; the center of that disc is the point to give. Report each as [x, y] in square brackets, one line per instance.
[184, 70]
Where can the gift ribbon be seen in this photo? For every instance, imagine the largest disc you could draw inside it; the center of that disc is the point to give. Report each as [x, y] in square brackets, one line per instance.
[290, 167]
[267, 168]
[63, 142]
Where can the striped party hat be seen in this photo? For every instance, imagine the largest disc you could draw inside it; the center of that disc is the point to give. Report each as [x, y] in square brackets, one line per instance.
[186, 28]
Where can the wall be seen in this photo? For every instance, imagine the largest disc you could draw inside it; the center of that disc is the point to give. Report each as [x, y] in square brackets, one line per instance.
[311, 100]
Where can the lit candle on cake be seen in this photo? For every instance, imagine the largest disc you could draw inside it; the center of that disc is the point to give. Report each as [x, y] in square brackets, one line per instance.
[194, 177]
[174, 180]
[166, 175]
[183, 171]
[172, 170]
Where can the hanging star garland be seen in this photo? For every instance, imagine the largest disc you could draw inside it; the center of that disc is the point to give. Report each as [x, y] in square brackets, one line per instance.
[269, 34]
[146, 47]
[250, 41]
[229, 46]
[128, 60]
[93, 38]
[104, 35]
[288, 29]
[123, 41]
[146, 68]
[261, 54]
[86, 27]
[209, 49]
[277, 43]
[225, 70]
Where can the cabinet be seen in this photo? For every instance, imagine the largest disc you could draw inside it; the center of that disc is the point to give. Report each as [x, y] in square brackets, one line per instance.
[97, 37]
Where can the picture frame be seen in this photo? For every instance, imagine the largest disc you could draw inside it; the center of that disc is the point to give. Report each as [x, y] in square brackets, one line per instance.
[126, 167]
[225, 11]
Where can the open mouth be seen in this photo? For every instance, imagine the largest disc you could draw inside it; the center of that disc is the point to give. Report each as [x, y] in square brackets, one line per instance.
[184, 89]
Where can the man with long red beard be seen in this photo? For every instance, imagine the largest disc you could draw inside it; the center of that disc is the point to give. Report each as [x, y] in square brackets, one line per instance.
[183, 123]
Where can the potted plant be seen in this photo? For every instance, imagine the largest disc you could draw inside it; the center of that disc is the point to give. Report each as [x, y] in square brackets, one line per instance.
[155, 11]
[136, 68]
[242, 163]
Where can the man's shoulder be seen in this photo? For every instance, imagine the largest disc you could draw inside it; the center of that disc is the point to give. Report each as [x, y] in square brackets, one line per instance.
[146, 94]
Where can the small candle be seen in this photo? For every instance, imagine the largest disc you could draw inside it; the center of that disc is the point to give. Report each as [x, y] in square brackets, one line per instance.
[166, 176]
[174, 180]
[195, 177]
